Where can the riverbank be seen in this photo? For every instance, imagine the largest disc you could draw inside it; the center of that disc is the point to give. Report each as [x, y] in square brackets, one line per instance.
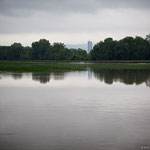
[48, 66]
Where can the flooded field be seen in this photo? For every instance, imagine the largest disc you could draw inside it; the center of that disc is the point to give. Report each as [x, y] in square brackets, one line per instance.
[97, 109]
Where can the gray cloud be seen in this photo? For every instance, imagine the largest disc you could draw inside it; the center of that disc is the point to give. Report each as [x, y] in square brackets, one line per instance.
[21, 7]
[60, 19]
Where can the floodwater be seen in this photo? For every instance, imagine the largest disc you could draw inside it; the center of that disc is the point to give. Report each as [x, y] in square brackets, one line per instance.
[82, 110]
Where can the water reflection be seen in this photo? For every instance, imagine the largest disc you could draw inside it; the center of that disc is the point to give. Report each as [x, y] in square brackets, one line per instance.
[79, 113]
[148, 82]
[45, 77]
[14, 75]
[109, 76]
[125, 76]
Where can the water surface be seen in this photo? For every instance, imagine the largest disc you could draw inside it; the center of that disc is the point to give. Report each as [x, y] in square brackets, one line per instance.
[85, 110]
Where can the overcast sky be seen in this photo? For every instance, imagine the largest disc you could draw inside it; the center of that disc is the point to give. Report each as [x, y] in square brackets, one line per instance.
[72, 21]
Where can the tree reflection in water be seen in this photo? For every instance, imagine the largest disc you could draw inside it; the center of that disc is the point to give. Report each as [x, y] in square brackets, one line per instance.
[148, 82]
[45, 77]
[14, 75]
[42, 78]
[125, 76]
[109, 76]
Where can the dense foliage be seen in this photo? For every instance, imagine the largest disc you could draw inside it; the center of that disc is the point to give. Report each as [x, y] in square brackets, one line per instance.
[41, 50]
[128, 48]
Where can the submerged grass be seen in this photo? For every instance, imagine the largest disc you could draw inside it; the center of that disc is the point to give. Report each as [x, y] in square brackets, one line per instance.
[53, 66]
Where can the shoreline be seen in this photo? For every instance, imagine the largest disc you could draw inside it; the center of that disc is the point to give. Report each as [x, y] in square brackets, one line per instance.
[53, 66]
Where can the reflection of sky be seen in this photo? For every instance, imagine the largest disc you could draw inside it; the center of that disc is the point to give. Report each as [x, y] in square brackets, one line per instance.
[74, 112]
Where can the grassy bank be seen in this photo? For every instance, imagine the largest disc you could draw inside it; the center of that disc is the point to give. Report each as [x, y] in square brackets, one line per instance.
[121, 61]
[45, 66]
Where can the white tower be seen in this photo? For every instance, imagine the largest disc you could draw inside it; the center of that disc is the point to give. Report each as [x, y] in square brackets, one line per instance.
[90, 46]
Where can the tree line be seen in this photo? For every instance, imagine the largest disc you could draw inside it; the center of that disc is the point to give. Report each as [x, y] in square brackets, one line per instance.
[41, 50]
[128, 48]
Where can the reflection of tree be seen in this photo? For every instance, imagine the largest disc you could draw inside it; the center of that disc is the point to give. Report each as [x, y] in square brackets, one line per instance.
[45, 77]
[148, 82]
[17, 76]
[14, 75]
[59, 75]
[125, 76]
[42, 78]
[0, 75]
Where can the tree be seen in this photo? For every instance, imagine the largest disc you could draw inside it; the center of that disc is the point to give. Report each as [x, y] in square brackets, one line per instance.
[14, 51]
[148, 38]
[104, 50]
[141, 48]
[26, 53]
[4, 52]
[59, 51]
[128, 48]
[40, 49]
[78, 54]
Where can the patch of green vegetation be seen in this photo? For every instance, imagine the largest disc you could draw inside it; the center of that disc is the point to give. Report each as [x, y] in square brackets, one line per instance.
[19, 66]
[121, 61]
[39, 66]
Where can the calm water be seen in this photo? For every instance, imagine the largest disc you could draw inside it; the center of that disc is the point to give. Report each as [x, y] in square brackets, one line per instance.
[87, 110]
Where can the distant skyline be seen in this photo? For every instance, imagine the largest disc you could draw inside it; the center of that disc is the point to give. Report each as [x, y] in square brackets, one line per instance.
[72, 22]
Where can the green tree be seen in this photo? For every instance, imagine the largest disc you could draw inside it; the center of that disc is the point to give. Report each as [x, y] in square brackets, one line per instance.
[26, 53]
[104, 50]
[14, 51]
[4, 52]
[128, 48]
[148, 38]
[59, 51]
[79, 54]
[141, 48]
[40, 49]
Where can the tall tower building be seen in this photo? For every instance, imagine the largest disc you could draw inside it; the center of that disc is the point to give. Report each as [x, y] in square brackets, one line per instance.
[90, 46]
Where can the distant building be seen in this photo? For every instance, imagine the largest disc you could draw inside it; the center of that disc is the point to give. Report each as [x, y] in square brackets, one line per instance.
[90, 46]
